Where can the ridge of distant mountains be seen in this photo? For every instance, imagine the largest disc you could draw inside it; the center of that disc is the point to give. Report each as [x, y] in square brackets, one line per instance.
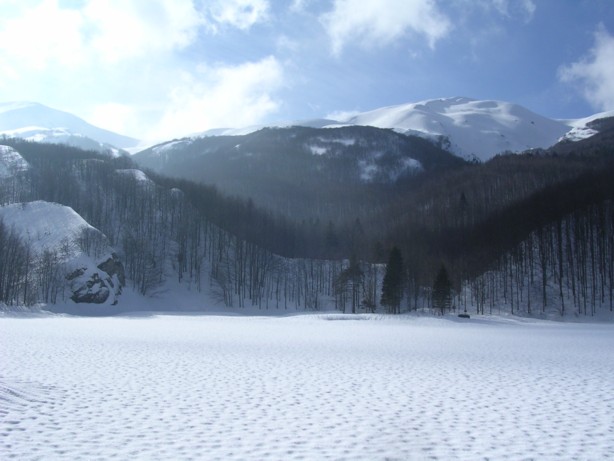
[466, 127]
[35, 122]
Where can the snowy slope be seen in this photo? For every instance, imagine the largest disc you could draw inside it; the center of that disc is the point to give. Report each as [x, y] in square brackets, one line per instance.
[138, 175]
[62, 136]
[45, 225]
[310, 123]
[11, 162]
[473, 127]
[59, 229]
[581, 129]
[39, 123]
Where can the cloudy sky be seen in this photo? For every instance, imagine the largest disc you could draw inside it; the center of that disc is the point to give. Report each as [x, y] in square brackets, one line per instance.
[156, 69]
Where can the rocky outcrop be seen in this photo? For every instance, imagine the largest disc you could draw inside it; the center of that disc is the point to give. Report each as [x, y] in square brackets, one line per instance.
[102, 285]
[114, 267]
[94, 290]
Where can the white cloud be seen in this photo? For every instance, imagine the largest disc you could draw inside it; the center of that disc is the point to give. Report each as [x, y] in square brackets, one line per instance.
[342, 115]
[529, 8]
[524, 8]
[117, 117]
[120, 30]
[285, 43]
[241, 14]
[299, 6]
[380, 22]
[594, 73]
[42, 33]
[38, 35]
[87, 56]
[222, 96]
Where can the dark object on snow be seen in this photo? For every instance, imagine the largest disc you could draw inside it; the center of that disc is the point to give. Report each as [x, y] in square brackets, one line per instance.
[464, 316]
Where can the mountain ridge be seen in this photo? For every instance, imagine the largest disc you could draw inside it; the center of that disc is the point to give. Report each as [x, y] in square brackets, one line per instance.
[480, 128]
[467, 127]
[37, 122]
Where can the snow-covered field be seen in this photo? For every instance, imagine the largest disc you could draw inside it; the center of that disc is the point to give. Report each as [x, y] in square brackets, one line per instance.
[305, 387]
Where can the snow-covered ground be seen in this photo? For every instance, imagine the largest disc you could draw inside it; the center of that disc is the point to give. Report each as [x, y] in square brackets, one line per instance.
[304, 387]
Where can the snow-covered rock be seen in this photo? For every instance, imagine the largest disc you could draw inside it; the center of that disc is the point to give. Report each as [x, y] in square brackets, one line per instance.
[92, 270]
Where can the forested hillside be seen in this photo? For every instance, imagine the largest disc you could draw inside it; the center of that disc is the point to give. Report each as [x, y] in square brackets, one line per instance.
[529, 234]
[162, 233]
[304, 173]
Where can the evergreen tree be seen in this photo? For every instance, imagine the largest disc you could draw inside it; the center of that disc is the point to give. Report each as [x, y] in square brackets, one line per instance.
[442, 291]
[392, 287]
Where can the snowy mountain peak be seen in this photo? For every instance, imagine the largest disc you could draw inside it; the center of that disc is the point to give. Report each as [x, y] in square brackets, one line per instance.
[36, 122]
[481, 128]
[17, 105]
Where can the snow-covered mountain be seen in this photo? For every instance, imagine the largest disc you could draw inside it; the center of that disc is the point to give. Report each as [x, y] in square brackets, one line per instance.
[288, 170]
[66, 245]
[310, 123]
[36, 122]
[469, 127]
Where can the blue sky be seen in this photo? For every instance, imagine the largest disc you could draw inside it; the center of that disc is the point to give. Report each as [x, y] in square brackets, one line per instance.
[162, 68]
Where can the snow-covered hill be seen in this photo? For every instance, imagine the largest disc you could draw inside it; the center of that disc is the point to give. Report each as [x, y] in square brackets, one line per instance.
[79, 252]
[36, 122]
[469, 127]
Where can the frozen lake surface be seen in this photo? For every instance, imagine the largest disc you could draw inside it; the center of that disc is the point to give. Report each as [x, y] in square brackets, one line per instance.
[305, 387]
